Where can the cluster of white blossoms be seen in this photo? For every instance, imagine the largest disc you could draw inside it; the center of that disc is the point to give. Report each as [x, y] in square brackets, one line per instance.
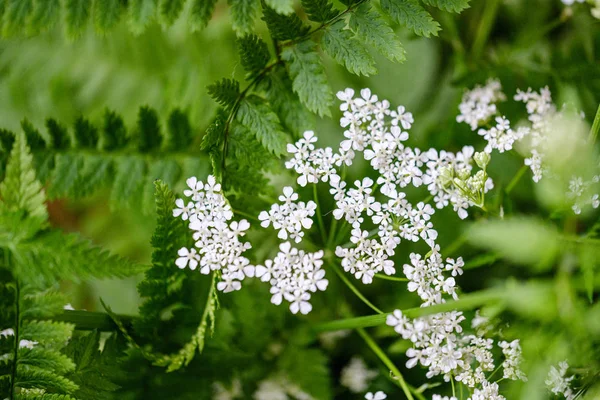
[280, 388]
[356, 376]
[23, 343]
[376, 396]
[291, 217]
[217, 240]
[559, 383]
[478, 108]
[294, 275]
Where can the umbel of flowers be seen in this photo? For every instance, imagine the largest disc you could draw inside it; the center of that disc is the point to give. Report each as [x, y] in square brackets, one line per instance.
[379, 134]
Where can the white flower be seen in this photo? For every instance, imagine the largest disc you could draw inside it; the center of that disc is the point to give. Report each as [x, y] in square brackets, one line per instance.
[290, 218]
[377, 396]
[356, 376]
[512, 360]
[558, 382]
[187, 257]
[7, 332]
[27, 344]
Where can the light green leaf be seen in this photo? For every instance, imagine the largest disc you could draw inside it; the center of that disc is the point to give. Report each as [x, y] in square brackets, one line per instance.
[449, 5]
[201, 12]
[77, 13]
[170, 10]
[281, 6]
[372, 29]
[107, 14]
[308, 76]
[243, 14]
[141, 13]
[412, 15]
[256, 115]
[340, 44]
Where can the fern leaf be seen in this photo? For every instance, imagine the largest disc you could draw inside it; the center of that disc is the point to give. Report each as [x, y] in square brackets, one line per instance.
[201, 12]
[77, 13]
[59, 136]
[319, 10]
[107, 14]
[141, 13]
[170, 10]
[44, 396]
[129, 179]
[44, 16]
[309, 79]
[85, 134]
[34, 378]
[65, 175]
[148, 130]
[179, 131]
[114, 134]
[370, 27]
[225, 92]
[256, 115]
[20, 190]
[46, 359]
[16, 16]
[449, 5]
[167, 171]
[52, 335]
[283, 27]
[213, 138]
[35, 141]
[94, 174]
[412, 15]
[187, 353]
[253, 53]
[339, 44]
[41, 304]
[285, 7]
[294, 116]
[243, 14]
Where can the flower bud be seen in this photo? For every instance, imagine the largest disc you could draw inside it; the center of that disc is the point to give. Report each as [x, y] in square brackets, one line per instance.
[446, 175]
[463, 174]
[482, 159]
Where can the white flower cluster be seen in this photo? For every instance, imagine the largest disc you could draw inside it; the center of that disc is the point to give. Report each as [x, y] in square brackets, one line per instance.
[290, 217]
[438, 340]
[23, 343]
[356, 376]
[559, 383]
[580, 193]
[376, 396]
[439, 397]
[293, 275]
[279, 388]
[217, 239]
[478, 105]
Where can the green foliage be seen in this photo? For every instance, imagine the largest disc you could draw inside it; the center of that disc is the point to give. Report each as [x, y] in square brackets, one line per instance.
[20, 190]
[112, 158]
[107, 14]
[309, 79]
[449, 5]
[225, 92]
[259, 119]
[370, 27]
[281, 6]
[308, 369]
[339, 43]
[201, 12]
[319, 10]
[412, 15]
[254, 53]
[243, 14]
[77, 13]
[170, 10]
[283, 27]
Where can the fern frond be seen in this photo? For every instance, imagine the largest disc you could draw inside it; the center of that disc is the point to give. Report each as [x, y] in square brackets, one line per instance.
[339, 43]
[449, 5]
[111, 158]
[253, 53]
[411, 14]
[225, 92]
[319, 10]
[283, 27]
[243, 14]
[258, 117]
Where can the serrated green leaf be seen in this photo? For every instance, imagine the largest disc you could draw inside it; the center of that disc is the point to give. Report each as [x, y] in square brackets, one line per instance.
[308, 76]
[294, 116]
[77, 13]
[449, 5]
[254, 53]
[243, 14]
[59, 136]
[201, 12]
[340, 44]
[167, 171]
[35, 141]
[372, 29]
[20, 190]
[412, 15]
[319, 10]
[179, 130]
[283, 27]
[107, 14]
[44, 358]
[225, 92]
[285, 7]
[130, 173]
[30, 378]
[94, 173]
[113, 134]
[170, 10]
[44, 16]
[65, 175]
[16, 16]
[141, 13]
[256, 115]
[50, 334]
[85, 134]
[148, 130]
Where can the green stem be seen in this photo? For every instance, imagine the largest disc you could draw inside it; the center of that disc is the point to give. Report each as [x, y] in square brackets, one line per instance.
[387, 362]
[453, 388]
[595, 127]
[246, 215]
[485, 27]
[511, 185]
[319, 215]
[390, 278]
[466, 302]
[347, 282]
[89, 320]
[331, 237]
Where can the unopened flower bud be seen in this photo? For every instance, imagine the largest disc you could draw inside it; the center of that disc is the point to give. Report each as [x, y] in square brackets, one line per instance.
[482, 159]
[463, 174]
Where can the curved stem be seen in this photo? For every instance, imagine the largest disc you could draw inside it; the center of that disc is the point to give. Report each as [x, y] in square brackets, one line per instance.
[319, 215]
[391, 278]
[387, 362]
[246, 215]
[513, 182]
[346, 281]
